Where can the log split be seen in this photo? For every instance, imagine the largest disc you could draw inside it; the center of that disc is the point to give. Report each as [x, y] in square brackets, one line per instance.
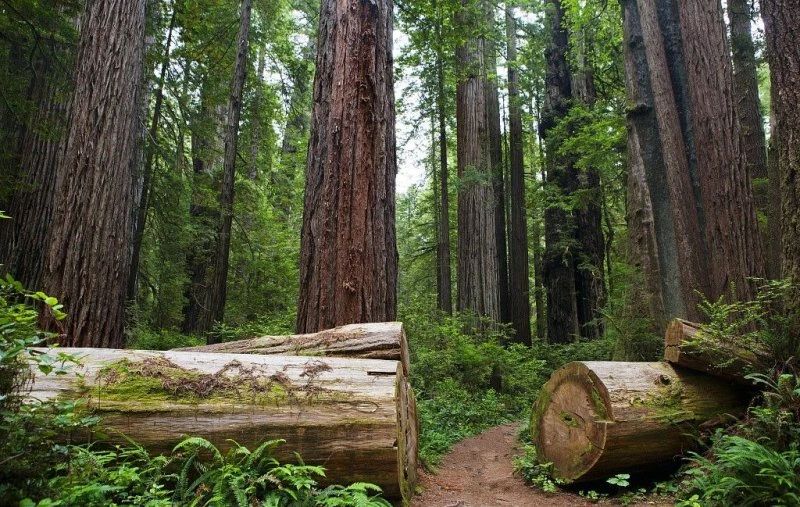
[355, 417]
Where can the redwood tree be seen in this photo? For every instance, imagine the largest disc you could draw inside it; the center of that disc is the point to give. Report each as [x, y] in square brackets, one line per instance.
[682, 106]
[782, 28]
[477, 271]
[88, 256]
[348, 257]
[519, 273]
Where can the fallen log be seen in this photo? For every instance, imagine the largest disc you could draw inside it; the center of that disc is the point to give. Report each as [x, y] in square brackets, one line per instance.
[685, 344]
[355, 417]
[379, 340]
[597, 418]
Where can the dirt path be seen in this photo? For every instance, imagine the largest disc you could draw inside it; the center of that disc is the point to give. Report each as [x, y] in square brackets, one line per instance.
[478, 472]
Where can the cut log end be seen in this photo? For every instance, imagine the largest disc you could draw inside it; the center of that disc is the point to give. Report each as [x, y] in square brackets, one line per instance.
[593, 419]
[569, 420]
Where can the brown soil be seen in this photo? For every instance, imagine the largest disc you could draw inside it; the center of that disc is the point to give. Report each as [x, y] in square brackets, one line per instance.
[478, 472]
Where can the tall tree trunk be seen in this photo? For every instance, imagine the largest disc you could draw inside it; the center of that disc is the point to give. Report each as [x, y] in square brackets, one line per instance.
[477, 271]
[206, 150]
[745, 93]
[590, 280]
[782, 28]
[558, 263]
[444, 283]
[704, 217]
[23, 238]
[147, 173]
[255, 131]
[536, 229]
[773, 247]
[217, 293]
[348, 256]
[496, 158]
[518, 246]
[88, 259]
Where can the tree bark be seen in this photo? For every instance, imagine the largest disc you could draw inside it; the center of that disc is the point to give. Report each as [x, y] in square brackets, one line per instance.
[727, 357]
[496, 158]
[355, 417]
[23, 238]
[745, 92]
[683, 114]
[782, 29]
[519, 273]
[595, 418]
[381, 340]
[348, 253]
[147, 173]
[477, 270]
[558, 262]
[444, 282]
[256, 127]
[218, 288]
[88, 258]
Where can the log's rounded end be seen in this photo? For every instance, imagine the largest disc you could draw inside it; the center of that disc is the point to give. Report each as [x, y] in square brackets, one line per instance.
[569, 421]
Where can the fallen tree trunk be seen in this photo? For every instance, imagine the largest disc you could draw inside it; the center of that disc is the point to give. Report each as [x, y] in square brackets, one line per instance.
[380, 340]
[597, 418]
[685, 344]
[355, 417]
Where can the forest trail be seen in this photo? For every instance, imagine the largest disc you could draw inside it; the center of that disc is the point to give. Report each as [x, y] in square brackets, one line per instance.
[478, 472]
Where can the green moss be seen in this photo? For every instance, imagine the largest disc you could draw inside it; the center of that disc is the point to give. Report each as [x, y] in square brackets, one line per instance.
[569, 419]
[599, 404]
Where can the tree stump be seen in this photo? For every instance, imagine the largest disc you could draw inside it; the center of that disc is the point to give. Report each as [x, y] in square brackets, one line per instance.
[355, 417]
[597, 418]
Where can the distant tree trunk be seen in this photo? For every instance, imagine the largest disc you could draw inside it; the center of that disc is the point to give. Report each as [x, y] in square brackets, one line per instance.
[88, 258]
[147, 174]
[23, 238]
[782, 28]
[773, 248]
[477, 271]
[205, 161]
[519, 273]
[536, 229]
[704, 218]
[255, 129]
[745, 92]
[348, 252]
[558, 262]
[496, 158]
[218, 288]
[444, 282]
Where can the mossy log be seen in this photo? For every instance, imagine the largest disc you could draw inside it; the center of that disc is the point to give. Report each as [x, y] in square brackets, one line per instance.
[355, 417]
[597, 418]
[379, 340]
[685, 344]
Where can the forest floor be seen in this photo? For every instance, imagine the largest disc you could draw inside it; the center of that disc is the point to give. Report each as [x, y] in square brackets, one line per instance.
[478, 472]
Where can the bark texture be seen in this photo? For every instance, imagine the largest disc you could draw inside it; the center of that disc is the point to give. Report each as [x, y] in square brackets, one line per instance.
[519, 273]
[89, 256]
[348, 257]
[745, 91]
[782, 29]
[355, 417]
[477, 271]
[217, 293]
[683, 114]
[596, 418]
[23, 238]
